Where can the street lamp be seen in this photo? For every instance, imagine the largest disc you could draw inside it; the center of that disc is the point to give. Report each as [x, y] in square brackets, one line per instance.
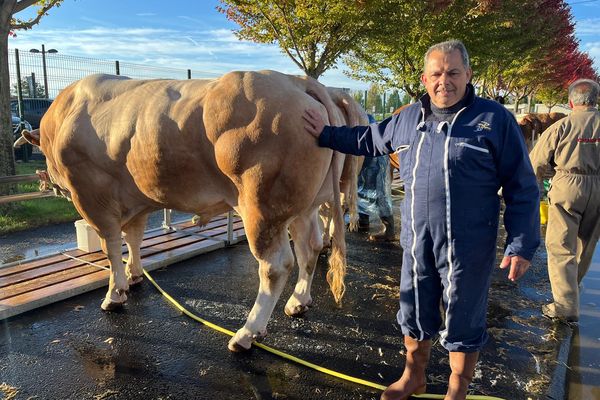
[44, 51]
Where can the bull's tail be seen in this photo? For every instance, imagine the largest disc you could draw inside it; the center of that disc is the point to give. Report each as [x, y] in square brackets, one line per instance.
[352, 200]
[337, 259]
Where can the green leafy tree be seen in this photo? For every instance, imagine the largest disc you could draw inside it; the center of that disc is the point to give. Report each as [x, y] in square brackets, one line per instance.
[374, 100]
[552, 95]
[394, 100]
[394, 57]
[37, 91]
[8, 25]
[313, 33]
[359, 96]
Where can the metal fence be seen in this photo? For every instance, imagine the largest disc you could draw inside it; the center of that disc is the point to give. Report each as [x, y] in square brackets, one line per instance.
[45, 73]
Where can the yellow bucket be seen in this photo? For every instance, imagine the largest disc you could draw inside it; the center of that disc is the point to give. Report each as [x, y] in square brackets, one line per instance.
[543, 212]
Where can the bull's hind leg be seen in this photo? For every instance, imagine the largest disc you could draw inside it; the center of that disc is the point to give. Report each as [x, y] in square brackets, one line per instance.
[275, 259]
[133, 233]
[306, 234]
[117, 283]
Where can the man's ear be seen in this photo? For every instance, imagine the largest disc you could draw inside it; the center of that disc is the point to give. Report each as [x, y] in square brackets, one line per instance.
[469, 74]
[423, 79]
[570, 104]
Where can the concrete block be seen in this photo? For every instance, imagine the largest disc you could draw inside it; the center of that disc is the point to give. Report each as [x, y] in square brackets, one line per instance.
[87, 238]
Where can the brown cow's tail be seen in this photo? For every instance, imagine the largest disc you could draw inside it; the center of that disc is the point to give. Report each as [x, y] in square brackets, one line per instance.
[337, 259]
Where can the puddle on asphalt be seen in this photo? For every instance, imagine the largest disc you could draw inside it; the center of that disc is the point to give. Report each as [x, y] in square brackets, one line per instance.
[37, 252]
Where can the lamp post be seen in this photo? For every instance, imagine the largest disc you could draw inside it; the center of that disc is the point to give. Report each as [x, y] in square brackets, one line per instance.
[44, 51]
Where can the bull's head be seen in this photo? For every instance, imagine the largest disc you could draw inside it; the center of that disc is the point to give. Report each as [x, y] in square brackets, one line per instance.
[33, 137]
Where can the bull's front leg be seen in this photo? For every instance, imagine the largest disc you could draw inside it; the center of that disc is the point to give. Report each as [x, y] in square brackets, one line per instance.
[117, 283]
[273, 272]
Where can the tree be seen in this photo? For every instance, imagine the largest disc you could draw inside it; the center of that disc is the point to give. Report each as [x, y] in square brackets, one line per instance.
[394, 58]
[313, 33]
[359, 97]
[394, 101]
[29, 88]
[374, 100]
[552, 96]
[548, 55]
[9, 24]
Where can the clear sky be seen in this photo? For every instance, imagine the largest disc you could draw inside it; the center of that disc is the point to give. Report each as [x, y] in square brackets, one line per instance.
[194, 35]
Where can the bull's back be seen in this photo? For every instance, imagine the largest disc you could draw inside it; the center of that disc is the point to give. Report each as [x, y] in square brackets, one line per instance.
[144, 137]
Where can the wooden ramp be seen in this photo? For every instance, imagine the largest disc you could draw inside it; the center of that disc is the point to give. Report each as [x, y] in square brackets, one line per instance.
[30, 284]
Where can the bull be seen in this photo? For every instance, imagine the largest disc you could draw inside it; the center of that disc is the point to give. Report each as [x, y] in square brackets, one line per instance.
[534, 124]
[122, 148]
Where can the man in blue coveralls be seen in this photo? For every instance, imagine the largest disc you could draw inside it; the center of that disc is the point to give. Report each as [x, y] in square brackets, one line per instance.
[456, 151]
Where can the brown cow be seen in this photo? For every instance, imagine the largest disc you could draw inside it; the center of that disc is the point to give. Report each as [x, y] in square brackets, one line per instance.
[123, 148]
[534, 124]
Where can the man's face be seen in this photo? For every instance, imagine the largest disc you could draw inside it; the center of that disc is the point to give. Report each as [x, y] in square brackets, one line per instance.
[445, 78]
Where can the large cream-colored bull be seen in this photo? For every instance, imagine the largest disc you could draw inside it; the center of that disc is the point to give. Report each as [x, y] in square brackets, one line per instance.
[122, 148]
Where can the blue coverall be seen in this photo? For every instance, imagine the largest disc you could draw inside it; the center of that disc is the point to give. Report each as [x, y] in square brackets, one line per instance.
[452, 173]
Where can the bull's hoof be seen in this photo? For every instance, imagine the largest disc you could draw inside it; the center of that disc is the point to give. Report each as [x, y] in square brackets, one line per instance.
[135, 280]
[236, 347]
[110, 304]
[242, 341]
[297, 310]
[239, 345]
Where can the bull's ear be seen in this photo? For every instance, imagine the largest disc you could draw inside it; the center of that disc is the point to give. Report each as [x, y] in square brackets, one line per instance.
[32, 137]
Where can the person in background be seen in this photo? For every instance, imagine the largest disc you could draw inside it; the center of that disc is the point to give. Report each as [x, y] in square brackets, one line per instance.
[456, 151]
[375, 197]
[570, 149]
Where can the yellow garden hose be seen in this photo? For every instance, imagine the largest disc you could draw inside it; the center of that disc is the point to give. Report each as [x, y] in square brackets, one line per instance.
[296, 359]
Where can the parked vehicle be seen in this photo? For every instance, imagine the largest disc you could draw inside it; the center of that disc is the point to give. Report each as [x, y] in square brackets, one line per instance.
[17, 127]
[33, 110]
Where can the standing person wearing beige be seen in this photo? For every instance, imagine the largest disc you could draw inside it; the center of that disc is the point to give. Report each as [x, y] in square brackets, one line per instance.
[571, 147]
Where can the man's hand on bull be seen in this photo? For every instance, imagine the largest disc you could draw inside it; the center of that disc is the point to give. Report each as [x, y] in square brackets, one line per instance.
[314, 122]
[518, 266]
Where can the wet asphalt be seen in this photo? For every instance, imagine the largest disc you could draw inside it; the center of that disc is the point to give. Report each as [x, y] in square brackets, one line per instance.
[149, 350]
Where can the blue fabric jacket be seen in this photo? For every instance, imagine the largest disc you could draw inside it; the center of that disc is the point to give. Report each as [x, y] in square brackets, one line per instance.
[465, 162]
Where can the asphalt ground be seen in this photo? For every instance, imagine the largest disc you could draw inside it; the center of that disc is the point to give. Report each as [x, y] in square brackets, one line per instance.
[149, 350]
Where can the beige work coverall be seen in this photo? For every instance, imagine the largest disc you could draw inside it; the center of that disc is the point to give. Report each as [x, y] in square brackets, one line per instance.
[571, 147]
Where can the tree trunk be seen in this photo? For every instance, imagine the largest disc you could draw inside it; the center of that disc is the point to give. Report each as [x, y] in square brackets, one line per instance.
[7, 158]
[516, 106]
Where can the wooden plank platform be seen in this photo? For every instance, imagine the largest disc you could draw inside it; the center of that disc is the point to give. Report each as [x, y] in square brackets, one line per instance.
[30, 284]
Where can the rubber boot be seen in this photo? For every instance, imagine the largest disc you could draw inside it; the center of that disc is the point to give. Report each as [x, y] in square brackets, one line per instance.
[388, 233]
[463, 368]
[363, 222]
[413, 379]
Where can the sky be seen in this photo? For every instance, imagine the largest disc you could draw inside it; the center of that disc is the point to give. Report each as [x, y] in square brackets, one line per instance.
[194, 35]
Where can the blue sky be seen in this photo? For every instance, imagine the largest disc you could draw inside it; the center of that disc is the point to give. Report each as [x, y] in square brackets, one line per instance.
[193, 34]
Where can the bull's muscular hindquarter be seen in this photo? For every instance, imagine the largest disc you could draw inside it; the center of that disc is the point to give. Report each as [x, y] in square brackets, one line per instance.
[124, 148]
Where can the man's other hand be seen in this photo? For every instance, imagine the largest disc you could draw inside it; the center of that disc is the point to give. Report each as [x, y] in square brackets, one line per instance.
[518, 266]
[314, 122]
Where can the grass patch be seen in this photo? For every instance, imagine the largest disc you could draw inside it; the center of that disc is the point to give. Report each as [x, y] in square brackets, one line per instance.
[33, 213]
